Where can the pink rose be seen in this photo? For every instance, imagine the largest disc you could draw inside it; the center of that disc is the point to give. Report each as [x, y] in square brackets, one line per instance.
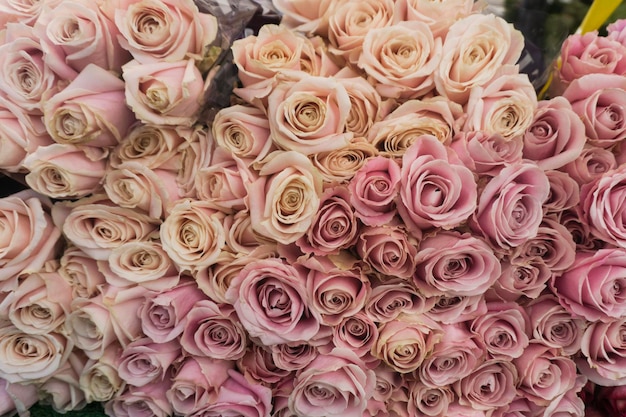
[544, 374]
[405, 342]
[510, 207]
[194, 153]
[168, 93]
[474, 35]
[31, 237]
[615, 399]
[341, 164]
[487, 154]
[439, 15]
[394, 297]
[81, 272]
[451, 263]
[554, 326]
[491, 385]
[591, 164]
[163, 30]
[366, 106]
[243, 131]
[598, 278]
[146, 401]
[337, 384]
[143, 361]
[25, 75]
[590, 53]
[505, 105]
[456, 355]
[164, 314]
[292, 357]
[214, 330]
[63, 389]
[429, 401]
[434, 190]
[389, 250]
[285, 198]
[309, 115]
[401, 59]
[504, 330]
[604, 353]
[240, 238]
[556, 135]
[335, 226]
[20, 135]
[17, 397]
[358, 333]
[223, 182]
[373, 190]
[616, 31]
[521, 276]
[304, 16]
[564, 192]
[91, 39]
[456, 309]
[600, 207]
[153, 146]
[600, 101]
[258, 365]
[22, 11]
[196, 383]
[271, 301]
[81, 114]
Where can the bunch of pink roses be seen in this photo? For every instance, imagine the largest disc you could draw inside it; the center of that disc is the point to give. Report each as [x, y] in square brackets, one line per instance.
[386, 222]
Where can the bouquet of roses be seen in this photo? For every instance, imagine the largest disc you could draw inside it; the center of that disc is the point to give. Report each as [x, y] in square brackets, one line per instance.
[382, 220]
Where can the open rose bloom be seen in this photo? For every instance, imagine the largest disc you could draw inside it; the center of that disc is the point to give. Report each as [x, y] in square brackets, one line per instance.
[358, 209]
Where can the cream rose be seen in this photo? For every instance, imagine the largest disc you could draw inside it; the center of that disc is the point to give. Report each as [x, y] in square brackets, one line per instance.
[341, 164]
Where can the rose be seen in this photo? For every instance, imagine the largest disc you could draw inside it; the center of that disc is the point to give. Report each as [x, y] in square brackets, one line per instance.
[333, 292]
[20, 135]
[401, 59]
[98, 228]
[65, 171]
[434, 191]
[309, 115]
[133, 185]
[62, 390]
[164, 314]
[505, 106]
[193, 235]
[164, 30]
[195, 152]
[25, 76]
[604, 353]
[564, 192]
[389, 250]
[393, 297]
[599, 278]
[487, 154]
[213, 330]
[17, 397]
[556, 135]
[475, 48]
[600, 101]
[580, 232]
[27, 357]
[222, 183]
[451, 263]
[615, 30]
[373, 190]
[81, 272]
[238, 395]
[271, 302]
[99, 379]
[76, 34]
[153, 146]
[240, 238]
[292, 357]
[29, 238]
[145, 401]
[456, 355]
[405, 342]
[258, 365]
[503, 330]
[40, 303]
[429, 401]
[590, 53]
[334, 226]
[455, 309]
[521, 276]
[168, 93]
[337, 384]
[614, 398]
[570, 403]
[348, 26]
[439, 16]
[285, 197]
[590, 164]
[141, 263]
[243, 131]
[510, 206]
[554, 326]
[22, 11]
[600, 207]
[366, 105]
[196, 383]
[305, 16]
[340, 165]
[358, 333]
[81, 114]
[143, 361]
[491, 385]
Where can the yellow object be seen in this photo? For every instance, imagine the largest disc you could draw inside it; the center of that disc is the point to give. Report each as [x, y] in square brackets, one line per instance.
[598, 14]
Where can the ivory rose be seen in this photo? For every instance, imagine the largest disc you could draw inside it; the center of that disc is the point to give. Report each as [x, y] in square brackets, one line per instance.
[285, 198]
[167, 93]
[163, 30]
[81, 114]
[29, 237]
[99, 379]
[75, 34]
[366, 105]
[401, 59]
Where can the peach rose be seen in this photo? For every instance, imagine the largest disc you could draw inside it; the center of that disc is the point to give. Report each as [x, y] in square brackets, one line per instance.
[341, 164]
[438, 15]
[154, 146]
